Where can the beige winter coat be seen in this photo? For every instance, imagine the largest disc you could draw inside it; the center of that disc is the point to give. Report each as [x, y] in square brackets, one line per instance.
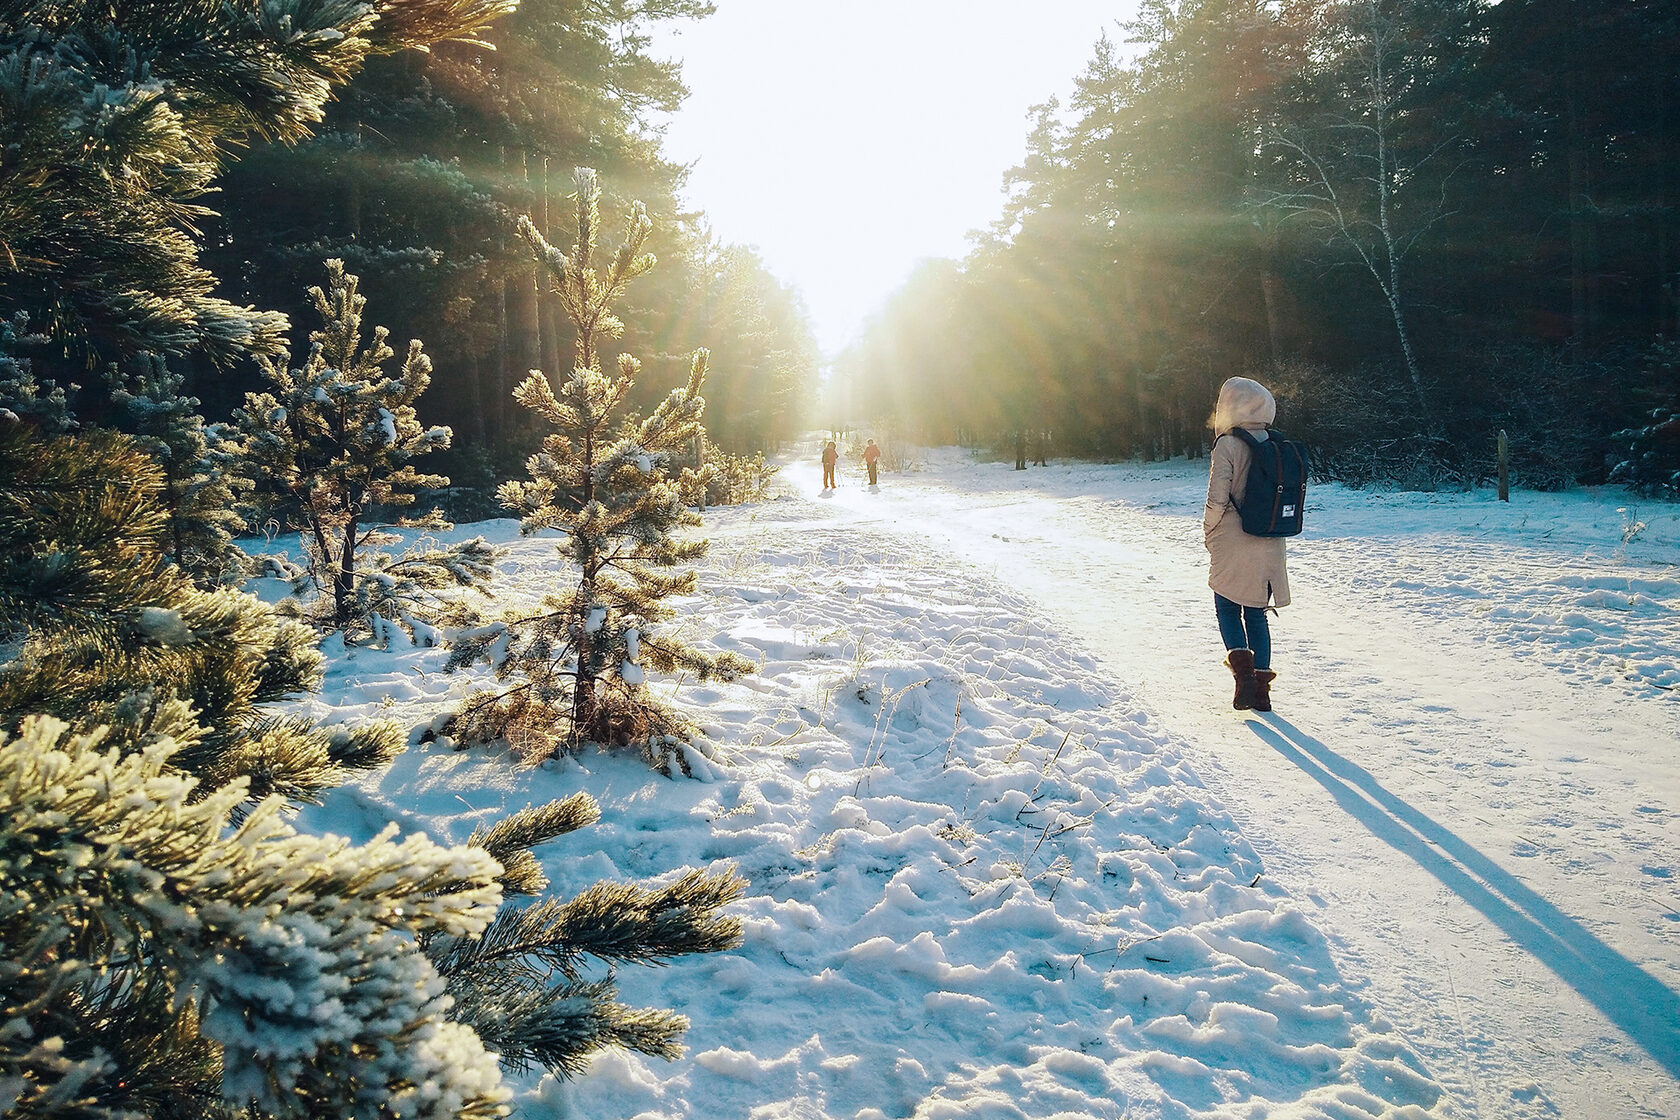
[1245, 569]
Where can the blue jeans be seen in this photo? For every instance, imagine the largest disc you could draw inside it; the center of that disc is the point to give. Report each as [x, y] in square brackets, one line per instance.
[1244, 628]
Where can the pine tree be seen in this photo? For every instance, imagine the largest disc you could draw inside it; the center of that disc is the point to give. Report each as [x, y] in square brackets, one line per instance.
[414, 168]
[765, 361]
[153, 963]
[330, 449]
[199, 463]
[113, 118]
[608, 489]
[101, 630]
[116, 117]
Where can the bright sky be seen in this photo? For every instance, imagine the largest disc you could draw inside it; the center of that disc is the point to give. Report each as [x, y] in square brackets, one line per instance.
[849, 139]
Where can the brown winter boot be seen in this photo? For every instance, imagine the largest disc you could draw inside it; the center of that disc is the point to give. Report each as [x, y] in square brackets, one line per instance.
[1241, 664]
[1263, 679]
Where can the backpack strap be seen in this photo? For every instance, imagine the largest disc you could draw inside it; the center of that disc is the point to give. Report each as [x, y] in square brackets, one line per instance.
[1245, 436]
[1234, 498]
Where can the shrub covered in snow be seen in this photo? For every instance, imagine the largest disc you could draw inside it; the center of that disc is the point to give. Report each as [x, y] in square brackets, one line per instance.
[23, 397]
[330, 449]
[145, 959]
[579, 667]
[1652, 465]
[97, 629]
[199, 466]
[727, 480]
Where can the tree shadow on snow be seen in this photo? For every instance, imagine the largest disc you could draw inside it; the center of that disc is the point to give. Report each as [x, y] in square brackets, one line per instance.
[1647, 1010]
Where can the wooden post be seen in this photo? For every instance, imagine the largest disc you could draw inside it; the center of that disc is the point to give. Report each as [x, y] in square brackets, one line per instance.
[1504, 467]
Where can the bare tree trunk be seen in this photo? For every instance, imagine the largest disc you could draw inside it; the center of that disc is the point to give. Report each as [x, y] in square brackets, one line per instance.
[353, 202]
[318, 530]
[1385, 204]
[550, 319]
[344, 580]
[1265, 243]
[1668, 299]
[1269, 284]
[504, 364]
[478, 401]
[1381, 248]
[1145, 427]
[527, 322]
[1581, 301]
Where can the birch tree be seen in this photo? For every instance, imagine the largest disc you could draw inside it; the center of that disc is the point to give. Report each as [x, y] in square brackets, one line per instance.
[1356, 170]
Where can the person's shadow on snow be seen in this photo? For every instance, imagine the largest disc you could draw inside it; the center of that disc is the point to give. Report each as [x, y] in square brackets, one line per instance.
[1648, 1010]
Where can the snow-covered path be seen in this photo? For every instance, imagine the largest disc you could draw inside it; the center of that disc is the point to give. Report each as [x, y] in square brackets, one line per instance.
[1474, 770]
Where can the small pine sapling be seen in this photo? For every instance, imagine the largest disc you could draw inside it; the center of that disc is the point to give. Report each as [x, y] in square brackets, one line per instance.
[330, 448]
[199, 462]
[530, 984]
[581, 664]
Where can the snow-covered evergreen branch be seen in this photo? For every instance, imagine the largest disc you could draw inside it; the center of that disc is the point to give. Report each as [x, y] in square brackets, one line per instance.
[294, 956]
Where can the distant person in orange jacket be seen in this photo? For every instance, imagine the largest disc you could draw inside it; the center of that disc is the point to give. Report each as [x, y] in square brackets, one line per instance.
[831, 456]
[871, 456]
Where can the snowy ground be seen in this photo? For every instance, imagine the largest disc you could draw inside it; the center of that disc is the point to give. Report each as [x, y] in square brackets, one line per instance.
[1011, 854]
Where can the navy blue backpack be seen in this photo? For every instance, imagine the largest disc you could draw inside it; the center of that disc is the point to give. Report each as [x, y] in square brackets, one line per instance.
[1275, 497]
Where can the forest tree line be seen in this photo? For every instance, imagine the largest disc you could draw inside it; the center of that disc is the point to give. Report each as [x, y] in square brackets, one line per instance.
[416, 177]
[1419, 221]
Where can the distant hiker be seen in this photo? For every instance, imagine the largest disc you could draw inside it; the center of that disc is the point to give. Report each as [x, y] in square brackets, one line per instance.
[831, 456]
[1021, 449]
[1041, 441]
[1246, 572]
[871, 456]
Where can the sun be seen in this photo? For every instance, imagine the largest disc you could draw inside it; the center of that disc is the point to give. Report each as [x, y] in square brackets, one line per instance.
[848, 142]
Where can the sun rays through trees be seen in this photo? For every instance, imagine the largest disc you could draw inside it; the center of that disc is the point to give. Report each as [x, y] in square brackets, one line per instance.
[1423, 223]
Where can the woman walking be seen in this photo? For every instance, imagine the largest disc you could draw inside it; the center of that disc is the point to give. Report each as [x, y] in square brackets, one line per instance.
[1247, 573]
